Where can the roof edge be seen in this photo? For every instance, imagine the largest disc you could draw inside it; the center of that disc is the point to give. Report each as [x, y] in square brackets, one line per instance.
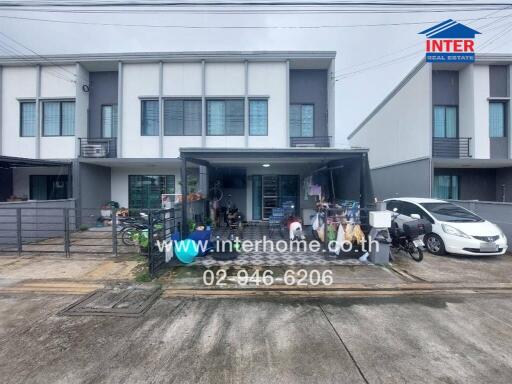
[390, 95]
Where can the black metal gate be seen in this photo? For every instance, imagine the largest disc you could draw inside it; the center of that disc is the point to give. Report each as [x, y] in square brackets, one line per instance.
[163, 224]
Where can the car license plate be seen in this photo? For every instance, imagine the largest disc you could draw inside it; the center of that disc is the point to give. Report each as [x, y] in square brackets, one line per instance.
[489, 247]
[418, 243]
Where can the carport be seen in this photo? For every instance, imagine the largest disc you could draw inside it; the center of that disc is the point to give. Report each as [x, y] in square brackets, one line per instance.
[347, 168]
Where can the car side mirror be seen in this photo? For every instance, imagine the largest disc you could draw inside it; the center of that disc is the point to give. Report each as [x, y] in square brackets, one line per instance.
[416, 216]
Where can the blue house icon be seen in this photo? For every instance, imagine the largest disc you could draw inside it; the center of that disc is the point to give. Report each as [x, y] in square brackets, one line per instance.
[449, 29]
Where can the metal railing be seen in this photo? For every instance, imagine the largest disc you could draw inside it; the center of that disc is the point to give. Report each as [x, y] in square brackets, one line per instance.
[315, 141]
[99, 148]
[451, 147]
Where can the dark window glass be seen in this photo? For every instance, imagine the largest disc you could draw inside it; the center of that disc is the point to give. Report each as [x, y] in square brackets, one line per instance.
[28, 119]
[145, 192]
[150, 118]
[48, 187]
[182, 117]
[450, 212]
[258, 117]
[225, 117]
[445, 121]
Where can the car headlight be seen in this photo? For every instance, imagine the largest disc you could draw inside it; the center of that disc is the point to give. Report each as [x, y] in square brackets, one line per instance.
[454, 231]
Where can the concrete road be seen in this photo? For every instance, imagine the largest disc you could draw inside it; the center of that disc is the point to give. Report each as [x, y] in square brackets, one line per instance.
[463, 339]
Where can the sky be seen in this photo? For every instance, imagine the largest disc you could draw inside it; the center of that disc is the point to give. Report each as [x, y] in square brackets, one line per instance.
[370, 62]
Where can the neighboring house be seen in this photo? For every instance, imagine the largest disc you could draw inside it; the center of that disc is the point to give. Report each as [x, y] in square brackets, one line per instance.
[100, 127]
[444, 132]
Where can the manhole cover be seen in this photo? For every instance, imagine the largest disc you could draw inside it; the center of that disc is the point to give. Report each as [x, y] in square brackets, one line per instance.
[127, 302]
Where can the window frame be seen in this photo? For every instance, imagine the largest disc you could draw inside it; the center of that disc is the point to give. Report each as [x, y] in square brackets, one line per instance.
[49, 179]
[183, 100]
[142, 100]
[249, 115]
[445, 106]
[224, 99]
[301, 105]
[451, 176]
[130, 176]
[101, 121]
[28, 101]
[60, 101]
[504, 103]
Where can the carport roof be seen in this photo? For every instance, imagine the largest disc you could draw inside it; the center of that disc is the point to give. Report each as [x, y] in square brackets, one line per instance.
[12, 162]
[263, 154]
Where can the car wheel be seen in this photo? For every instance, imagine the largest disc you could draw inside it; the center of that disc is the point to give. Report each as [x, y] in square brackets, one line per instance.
[435, 244]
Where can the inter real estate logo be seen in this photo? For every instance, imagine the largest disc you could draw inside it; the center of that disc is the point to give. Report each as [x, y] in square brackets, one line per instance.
[450, 42]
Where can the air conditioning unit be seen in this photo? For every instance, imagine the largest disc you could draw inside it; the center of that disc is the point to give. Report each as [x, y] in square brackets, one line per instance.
[94, 150]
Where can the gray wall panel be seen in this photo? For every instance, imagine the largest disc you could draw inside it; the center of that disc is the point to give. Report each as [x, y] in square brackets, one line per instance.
[474, 183]
[445, 88]
[94, 186]
[309, 86]
[498, 81]
[103, 90]
[504, 184]
[499, 147]
[410, 179]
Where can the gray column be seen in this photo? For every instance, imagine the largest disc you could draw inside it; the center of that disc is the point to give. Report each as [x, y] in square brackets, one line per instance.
[287, 106]
[161, 110]
[120, 109]
[509, 115]
[203, 103]
[1, 125]
[39, 125]
[246, 103]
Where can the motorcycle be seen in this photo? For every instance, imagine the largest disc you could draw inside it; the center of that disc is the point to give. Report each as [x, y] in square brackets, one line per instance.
[408, 237]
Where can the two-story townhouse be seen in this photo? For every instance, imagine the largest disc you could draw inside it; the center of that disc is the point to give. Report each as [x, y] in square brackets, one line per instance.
[444, 132]
[118, 127]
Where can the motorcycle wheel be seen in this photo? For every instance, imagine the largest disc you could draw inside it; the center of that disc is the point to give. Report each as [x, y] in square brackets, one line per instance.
[415, 253]
[127, 236]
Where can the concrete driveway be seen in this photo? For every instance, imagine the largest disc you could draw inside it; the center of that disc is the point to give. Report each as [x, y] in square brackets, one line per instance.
[464, 339]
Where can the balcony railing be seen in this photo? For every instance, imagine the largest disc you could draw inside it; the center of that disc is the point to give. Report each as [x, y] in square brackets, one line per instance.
[451, 147]
[99, 148]
[316, 141]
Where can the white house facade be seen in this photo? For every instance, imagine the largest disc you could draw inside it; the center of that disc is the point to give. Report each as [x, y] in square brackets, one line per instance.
[444, 131]
[111, 127]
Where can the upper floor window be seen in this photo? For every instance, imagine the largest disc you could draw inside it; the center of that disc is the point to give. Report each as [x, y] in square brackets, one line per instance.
[258, 117]
[150, 117]
[58, 118]
[225, 117]
[445, 121]
[302, 120]
[109, 120]
[182, 117]
[28, 119]
[497, 119]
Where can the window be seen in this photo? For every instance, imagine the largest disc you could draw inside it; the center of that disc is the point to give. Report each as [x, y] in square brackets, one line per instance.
[109, 120]
[28, 119]
[48, 187]
[409, 209]
[150, 118]
[392, 204]
[302, 120]
[58, 118]
[445, 121]
[225, 117]
[446, 187]
[145, 192]
[182, 117]
[451, 212]
[497, 119]
[258, 117]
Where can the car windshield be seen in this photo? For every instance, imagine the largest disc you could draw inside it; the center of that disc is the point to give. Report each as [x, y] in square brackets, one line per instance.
[450, 212]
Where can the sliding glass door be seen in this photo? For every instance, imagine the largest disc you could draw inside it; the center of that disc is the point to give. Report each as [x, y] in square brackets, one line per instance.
[272, 191]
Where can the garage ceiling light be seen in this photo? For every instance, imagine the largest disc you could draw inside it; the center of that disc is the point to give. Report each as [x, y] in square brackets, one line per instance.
[266, 165]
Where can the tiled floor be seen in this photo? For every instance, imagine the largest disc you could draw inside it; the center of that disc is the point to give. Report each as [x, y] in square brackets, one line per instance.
[275, 258]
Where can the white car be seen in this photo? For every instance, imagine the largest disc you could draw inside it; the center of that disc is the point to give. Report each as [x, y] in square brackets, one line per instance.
[454, 229]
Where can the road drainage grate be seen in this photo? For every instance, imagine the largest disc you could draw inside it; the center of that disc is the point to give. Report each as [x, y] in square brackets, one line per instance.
[119, 301]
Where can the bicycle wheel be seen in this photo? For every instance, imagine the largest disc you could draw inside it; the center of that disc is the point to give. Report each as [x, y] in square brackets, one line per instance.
[127, 236]
[415, 253]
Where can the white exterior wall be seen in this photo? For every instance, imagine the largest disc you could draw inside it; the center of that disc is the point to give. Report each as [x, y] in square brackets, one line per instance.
[139, 80]
[467, 105]
[17, 83]
[181, 80]
[21, 178]
[269, 80]
[62, 86]
[481, 91]
[119, 179]
[402, 129]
